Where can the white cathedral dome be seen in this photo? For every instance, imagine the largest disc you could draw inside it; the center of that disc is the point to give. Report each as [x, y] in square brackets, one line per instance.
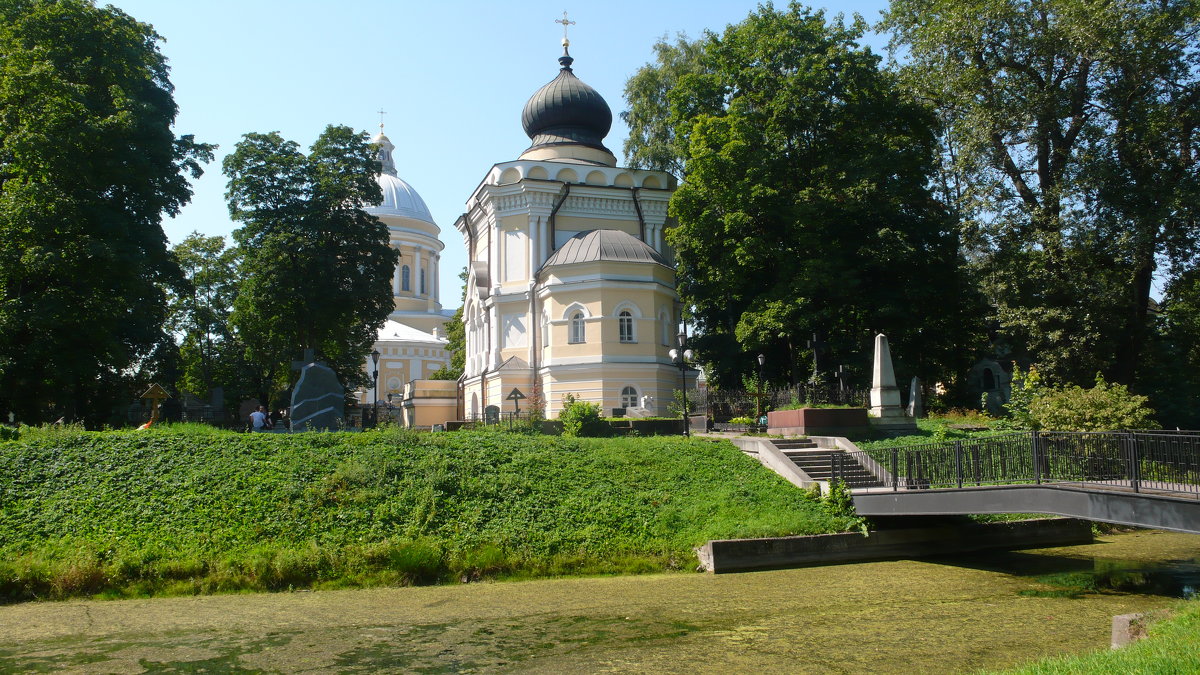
[399, 198]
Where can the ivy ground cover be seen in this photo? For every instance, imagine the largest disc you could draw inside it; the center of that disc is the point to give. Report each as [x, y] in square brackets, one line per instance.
[190, 510]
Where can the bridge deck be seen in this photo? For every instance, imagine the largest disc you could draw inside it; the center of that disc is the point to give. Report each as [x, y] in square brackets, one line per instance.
[1116, 502]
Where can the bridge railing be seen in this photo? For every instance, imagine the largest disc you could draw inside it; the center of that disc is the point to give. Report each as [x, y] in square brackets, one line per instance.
[1161, 462]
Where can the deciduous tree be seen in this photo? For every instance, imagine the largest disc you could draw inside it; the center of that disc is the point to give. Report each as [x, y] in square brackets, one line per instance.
[1069, 149]
[804, 208]
[315, 268]
[89, 165]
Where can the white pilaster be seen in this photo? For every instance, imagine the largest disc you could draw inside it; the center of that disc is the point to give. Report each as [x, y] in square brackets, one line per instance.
[493, 356]
[416, 280]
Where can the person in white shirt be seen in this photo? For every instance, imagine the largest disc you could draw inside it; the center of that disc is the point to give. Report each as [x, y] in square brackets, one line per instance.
[258, 420]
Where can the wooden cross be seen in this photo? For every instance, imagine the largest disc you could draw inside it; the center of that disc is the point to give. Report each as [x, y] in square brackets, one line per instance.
[157, 395]
[565, 22]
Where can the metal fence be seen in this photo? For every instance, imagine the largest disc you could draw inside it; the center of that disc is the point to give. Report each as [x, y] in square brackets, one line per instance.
[505, 419]
[724, 405]
[1161, 462]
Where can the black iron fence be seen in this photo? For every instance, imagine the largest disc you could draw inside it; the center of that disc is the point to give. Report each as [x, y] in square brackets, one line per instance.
[504, 419]
[724, 405]
[1161, 462]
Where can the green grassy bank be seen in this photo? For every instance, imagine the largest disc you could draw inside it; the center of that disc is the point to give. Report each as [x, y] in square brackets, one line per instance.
[1173, 646]
[194, 510]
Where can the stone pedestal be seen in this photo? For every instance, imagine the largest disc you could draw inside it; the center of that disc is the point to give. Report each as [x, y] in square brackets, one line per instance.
[886, 412]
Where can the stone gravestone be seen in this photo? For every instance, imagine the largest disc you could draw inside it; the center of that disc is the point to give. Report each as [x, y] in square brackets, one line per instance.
[317, 399]
[915, 407]
[491, 415]
[886, 412]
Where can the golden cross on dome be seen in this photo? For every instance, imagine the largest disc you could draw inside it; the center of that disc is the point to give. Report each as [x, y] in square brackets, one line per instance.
[381, 112]
[565, 22]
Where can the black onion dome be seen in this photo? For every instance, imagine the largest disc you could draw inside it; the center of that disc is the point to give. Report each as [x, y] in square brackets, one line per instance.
[567, 111]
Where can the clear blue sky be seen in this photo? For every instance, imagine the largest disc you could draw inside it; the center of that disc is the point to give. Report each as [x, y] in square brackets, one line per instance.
[452, 76]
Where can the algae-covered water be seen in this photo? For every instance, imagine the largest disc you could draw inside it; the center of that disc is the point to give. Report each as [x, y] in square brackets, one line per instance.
[948, 615]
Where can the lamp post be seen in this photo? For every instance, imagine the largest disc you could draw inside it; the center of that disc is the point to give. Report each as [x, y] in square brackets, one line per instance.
[761, 385]
[375, 387]
[681, 356]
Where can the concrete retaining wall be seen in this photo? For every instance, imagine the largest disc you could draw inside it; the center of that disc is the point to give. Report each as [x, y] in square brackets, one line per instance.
[773, 458]
[735, 555]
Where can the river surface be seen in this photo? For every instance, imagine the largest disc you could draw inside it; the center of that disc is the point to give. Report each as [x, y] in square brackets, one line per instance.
[945, 615]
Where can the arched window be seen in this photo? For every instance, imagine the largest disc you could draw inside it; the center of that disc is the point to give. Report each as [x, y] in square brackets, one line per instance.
[405, 279]
[422, 281]
[629, 397]
[625, 326]
[577, 334]
[989, 380]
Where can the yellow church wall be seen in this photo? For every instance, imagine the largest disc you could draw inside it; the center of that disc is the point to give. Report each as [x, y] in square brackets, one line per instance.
[603, 384]
[563, 223]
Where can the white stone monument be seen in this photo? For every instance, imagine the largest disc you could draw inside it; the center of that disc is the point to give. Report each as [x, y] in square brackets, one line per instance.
[886, 412]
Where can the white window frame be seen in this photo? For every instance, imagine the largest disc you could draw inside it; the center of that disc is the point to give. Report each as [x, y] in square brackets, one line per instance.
[577, 330]
[626, 327]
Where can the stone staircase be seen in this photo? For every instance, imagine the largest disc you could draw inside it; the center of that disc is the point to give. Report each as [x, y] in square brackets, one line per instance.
[816, 463]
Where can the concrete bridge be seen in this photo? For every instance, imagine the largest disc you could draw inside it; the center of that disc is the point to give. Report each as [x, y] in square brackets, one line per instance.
[1143, 479]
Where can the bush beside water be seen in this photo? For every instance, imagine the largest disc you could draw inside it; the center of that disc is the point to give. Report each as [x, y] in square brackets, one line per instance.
[190, 510]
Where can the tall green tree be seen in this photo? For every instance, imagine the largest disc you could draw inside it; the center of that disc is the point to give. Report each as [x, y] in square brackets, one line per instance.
[804, 207]
[199, 313]
[1069, 150]
[89, 165]
[652, 142]
[315, 268]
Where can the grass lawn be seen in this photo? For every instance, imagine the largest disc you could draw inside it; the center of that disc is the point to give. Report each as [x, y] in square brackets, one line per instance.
[189, 509]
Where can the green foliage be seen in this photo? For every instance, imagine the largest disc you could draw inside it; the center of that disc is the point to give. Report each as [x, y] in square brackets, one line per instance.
[1172, 646]
[653, 142]
[1068, 149]
[456, 336]
[1026, 386]
[1104, 407]
[1172, 376]
[804, 206]
[185, 509]
[199, 312]
[89, 165]
[580, 418]
[457, 346]
[839, 502]
[315, 267]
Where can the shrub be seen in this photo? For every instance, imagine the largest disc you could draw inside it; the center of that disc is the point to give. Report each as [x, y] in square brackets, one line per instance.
[1104, 407]
[1025, 388]
[580, 418]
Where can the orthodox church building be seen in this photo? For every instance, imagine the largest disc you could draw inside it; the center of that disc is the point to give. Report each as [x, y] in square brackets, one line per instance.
[571, 288]
[412, 343]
